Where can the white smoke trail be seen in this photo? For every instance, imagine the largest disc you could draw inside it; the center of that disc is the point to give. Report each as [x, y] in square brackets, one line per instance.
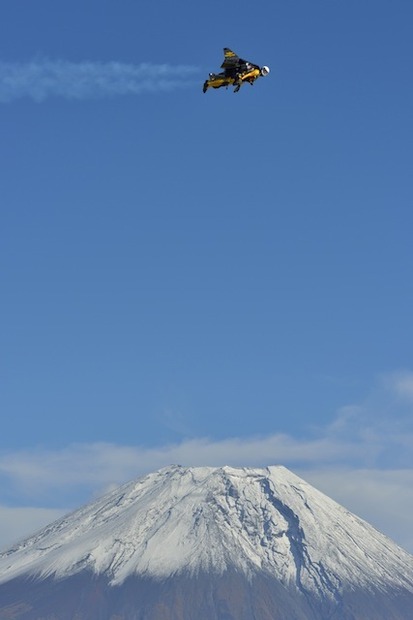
[42, 78]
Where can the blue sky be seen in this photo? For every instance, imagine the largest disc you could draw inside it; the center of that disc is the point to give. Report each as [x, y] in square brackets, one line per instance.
[205, 279]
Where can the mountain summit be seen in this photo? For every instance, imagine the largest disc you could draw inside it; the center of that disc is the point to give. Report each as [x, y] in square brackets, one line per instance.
[209, 544]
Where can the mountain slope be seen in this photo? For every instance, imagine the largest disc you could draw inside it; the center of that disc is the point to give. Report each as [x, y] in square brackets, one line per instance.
[223, 542]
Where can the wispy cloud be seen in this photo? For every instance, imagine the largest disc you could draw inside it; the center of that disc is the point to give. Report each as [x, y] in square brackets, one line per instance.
[38, 472]
[401, 384]
[43, 78]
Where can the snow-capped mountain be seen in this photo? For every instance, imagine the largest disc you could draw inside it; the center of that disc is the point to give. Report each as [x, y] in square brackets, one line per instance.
[209, 543]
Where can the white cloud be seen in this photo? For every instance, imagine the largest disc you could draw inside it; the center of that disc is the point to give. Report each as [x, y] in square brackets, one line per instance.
[43, 78]
[401, 384]
[96, 465]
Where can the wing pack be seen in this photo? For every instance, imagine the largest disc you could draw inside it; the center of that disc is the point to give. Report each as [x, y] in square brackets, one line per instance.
[235, 72]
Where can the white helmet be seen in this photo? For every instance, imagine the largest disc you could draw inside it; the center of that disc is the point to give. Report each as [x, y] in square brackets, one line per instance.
[265, 70]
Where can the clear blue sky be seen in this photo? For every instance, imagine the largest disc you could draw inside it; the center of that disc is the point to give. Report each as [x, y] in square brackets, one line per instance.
[178, 266]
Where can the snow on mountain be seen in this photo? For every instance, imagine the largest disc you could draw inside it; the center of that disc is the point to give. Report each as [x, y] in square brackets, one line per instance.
[208, 520]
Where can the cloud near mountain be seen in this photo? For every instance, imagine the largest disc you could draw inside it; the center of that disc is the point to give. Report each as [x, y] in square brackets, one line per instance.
[363, 459]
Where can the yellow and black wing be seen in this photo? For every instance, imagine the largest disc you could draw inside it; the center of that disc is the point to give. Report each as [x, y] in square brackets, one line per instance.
[232, 61]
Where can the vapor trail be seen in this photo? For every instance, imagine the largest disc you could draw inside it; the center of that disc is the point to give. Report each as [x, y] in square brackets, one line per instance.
[42, 78]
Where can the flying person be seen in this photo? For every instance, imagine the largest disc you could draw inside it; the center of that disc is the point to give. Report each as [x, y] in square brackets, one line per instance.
[236, 72]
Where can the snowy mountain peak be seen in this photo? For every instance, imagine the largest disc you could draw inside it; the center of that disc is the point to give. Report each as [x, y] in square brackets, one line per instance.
[213, 520]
